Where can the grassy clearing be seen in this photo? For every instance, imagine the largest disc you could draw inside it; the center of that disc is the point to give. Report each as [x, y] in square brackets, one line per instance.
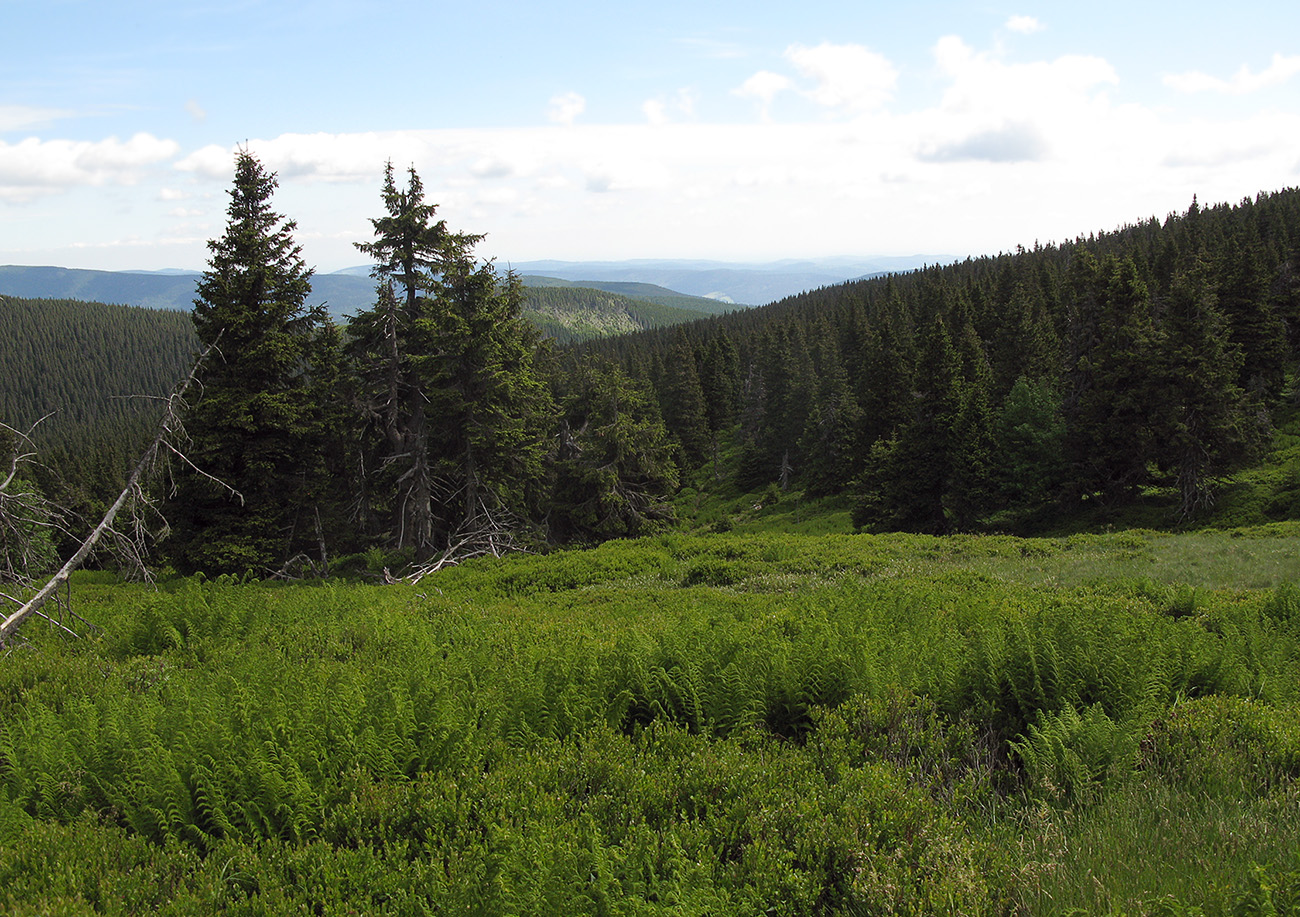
[707, 724]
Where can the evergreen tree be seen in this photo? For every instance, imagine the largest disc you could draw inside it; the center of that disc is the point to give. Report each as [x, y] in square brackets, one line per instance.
[491, 408]
[1111, 415]
[885, 376]
[332, 483]
[1208, 426]
[1029, 433]
[971, 487]
[250, 425]
[684, 409]
[408, 249]
[908, 484]
[829, 444]
[719, 384]
[1252, 320]
[456, 413]
[613, 464]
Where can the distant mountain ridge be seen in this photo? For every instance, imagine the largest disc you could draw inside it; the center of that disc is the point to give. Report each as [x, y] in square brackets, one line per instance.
[571, 312]
[342, 294]
[642, 292]
[738, 283]
[347, 291]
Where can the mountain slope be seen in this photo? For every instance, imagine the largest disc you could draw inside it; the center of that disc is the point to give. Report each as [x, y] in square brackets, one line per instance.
[92, 367]
[580, 313]
[730, 282]
[646, 292]
[342, 294]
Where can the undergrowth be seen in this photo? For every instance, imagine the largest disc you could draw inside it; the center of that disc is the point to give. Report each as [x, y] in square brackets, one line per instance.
[684, 724]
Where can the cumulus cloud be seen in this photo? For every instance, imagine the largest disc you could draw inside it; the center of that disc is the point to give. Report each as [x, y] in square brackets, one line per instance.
[33, 168]
[310, 157]
[846, 76]
[1024, 25]
[764, 86]
[661, 110]
[1244, 81]
[995, 111]
[1009, 143]
[566, 108]
[490, 168]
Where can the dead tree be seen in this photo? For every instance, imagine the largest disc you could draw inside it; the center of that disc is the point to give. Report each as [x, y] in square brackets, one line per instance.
[17, 509]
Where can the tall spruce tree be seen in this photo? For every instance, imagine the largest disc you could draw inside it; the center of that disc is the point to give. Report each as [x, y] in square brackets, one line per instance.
[1114, 398]
[252, 420]
[909, 478]
[1209, 426]
[457, 414]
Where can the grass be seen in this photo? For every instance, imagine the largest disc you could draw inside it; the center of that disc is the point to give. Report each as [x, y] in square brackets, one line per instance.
[690, 723]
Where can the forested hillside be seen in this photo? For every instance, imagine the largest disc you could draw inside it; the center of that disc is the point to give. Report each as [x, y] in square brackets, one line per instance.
[91, 367]
[1075, 377]
[1067, 382]
[578, 313]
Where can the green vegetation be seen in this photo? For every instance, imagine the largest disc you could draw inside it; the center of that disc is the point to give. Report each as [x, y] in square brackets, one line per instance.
[577, 312]
[682, 724]
[1071, 382]
[92, 367]
[757, 713]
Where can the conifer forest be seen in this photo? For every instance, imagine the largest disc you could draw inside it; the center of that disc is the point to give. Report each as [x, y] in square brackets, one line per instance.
[968, 590]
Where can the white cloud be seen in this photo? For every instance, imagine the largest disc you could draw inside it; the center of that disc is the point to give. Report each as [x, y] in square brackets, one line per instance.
[847, 76]
[312, 157]
[196, 111]
[490, 168]
[661, 110]
[655, 111]
[764, 86]
[566, 108]
[875, 179]
[34, 168]
[995, 111]
[1243, 81]
[209, 162]
[1010, 143]
[21, 117]
[1024, 25]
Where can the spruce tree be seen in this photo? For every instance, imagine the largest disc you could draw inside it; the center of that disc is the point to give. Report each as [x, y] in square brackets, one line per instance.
[1208, 425]
[971, 485]
[684, 409]
[250, 424]
[456, 414]
[1114, 397]
[908, 481]
[613, 465]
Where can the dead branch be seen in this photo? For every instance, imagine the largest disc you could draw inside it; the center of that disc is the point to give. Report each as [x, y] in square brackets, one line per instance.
[488, 534]
[169, 426]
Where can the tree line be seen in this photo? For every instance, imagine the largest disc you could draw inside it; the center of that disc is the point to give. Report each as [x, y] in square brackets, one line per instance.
[992, 394]
[437, 424]
[1002, 391]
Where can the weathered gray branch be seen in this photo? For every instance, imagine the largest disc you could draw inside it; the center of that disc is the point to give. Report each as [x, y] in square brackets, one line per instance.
[170, 423]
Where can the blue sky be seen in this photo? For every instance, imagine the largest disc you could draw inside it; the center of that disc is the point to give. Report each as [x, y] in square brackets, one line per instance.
[741, 131]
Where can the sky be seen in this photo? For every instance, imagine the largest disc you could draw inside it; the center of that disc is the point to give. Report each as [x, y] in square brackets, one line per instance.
[707, 129]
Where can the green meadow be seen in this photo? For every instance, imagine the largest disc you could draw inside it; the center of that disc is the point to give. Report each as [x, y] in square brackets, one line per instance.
[735, 723]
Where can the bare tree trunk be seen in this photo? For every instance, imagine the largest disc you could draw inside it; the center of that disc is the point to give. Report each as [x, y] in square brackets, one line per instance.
[170, 424]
